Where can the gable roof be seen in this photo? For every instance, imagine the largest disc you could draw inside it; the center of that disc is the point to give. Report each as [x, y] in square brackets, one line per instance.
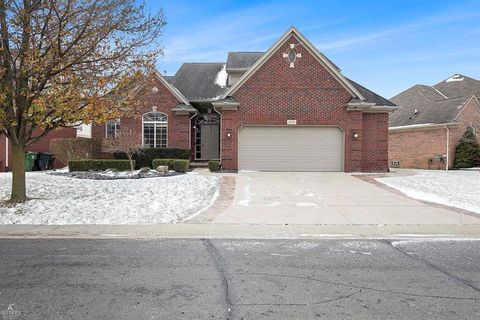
[439, 104]
[313, 50]
[197, 81]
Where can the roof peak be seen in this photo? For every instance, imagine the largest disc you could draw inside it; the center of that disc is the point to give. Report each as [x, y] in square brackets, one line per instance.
[457, 77]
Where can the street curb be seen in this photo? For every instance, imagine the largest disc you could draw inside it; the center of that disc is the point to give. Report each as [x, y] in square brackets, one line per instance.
[238, 231]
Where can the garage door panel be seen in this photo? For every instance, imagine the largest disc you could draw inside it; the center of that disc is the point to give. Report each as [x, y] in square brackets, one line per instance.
[291, 149]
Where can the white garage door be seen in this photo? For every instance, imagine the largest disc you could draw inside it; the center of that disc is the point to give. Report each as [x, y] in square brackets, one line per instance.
[290, 149]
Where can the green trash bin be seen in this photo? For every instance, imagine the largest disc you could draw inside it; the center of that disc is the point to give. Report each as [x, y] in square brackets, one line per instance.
[30, 158]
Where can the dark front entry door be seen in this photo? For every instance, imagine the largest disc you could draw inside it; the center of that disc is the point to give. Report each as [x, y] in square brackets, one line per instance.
[210, 135]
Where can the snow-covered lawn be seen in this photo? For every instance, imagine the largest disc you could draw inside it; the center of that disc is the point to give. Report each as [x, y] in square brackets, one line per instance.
[63, 200]
[459, 189]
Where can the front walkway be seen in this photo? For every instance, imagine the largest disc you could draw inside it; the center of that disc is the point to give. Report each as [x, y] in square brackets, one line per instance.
[325, 198]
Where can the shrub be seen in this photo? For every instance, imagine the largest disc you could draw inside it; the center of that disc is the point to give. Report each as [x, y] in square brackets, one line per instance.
[178, 165]
[467, 153]
[98, 165]
[214, 165]
[181, 165]
[66, 149]
[145, 157]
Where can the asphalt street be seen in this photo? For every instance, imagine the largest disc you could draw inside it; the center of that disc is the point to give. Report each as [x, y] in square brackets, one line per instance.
[239, 279]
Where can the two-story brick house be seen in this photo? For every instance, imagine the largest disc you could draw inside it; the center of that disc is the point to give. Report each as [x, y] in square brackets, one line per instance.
[286, 109]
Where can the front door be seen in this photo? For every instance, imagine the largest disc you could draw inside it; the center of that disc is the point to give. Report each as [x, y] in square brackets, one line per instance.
[210, 135]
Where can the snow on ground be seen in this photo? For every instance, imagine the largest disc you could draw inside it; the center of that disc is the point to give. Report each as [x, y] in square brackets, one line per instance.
[63, 200]
[454, 188]
[112, 175]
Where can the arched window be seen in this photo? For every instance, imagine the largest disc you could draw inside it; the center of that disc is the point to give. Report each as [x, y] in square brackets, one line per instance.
[154, 126]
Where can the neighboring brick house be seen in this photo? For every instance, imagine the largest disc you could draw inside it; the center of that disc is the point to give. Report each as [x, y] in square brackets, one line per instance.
[286, 109]
[42, 145]
[430, 121]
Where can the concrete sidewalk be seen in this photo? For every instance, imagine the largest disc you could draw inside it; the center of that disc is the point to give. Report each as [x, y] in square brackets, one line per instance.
[239, 231]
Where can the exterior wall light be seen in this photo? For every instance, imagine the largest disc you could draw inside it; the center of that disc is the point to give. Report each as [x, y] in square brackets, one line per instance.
[229, 135]
[355, 135]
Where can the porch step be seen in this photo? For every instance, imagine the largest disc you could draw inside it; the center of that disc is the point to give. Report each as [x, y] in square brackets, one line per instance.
[199, 164]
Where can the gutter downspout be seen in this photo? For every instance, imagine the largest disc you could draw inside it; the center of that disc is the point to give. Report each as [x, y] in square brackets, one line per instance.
[190, 134]
[448, 147]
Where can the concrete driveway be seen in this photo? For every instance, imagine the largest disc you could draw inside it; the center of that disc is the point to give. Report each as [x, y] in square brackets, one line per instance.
[327, 198]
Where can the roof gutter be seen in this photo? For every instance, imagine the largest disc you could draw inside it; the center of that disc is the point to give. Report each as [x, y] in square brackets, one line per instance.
[423, 126]
[369, 107]
[225, 105]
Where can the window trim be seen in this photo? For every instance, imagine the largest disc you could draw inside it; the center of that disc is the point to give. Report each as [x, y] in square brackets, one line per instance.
[155, 123]
[117, 123]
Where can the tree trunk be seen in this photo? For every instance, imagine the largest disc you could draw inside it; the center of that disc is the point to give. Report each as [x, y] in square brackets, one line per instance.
[19, 193]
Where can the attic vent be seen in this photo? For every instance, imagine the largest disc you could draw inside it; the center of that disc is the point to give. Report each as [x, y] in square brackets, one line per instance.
[454, 78]
[292, 56]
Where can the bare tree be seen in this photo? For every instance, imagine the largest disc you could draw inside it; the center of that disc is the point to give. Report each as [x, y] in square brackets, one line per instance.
[58, 61]
[74, 149]
[128, 142]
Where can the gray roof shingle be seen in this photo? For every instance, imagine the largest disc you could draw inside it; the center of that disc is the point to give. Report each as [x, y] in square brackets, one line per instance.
[442, 111]
[196, 81]
[242, 61]
[459, 88]
[441, 103]
[371, 96]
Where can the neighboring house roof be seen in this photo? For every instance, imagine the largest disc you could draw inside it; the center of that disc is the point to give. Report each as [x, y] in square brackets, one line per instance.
[439, 104]
[242, 61]
[459, 86]
[200, 81]
[443, 111]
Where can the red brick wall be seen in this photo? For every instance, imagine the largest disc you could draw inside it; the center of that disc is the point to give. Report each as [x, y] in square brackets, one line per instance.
[309, 94]
[178, 125]
[375, 142]
[415, 147]
[42, 145]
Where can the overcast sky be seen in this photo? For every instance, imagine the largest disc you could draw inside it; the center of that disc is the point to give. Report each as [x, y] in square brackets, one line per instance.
[386, 46]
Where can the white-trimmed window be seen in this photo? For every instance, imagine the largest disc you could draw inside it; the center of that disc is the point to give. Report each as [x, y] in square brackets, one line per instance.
[112, 128]
[154, 126]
